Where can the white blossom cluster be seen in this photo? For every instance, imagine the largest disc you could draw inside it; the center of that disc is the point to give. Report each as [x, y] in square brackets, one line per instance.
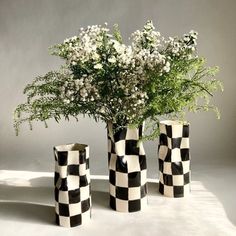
[110, 75]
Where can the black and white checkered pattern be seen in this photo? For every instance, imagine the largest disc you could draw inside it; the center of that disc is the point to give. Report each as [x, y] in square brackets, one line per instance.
[72, 185]
[127, 170]
[174, 159]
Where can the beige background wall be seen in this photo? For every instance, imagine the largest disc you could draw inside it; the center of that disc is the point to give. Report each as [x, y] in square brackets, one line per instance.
[29, 27]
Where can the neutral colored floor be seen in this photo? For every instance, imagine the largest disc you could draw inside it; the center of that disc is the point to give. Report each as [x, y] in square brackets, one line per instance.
[26, 207]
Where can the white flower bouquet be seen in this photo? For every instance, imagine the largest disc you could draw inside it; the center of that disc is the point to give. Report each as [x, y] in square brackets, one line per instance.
[119, 83]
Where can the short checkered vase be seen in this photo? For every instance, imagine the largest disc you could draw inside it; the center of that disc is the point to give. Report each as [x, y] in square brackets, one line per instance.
[174, 159]
[127, 169]
[72, 185]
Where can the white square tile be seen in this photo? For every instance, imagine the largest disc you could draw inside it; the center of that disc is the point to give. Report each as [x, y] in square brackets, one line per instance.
[86, 217]
[82, 169]
[161, 180]
[122, 205]
[63, 171]
[120, 148]
[73, 182]
[73, 158]
[121, 179]
[177, 131]
[143, 177]
[175, 155]
[112, 190]
[109, 144]
[187, 189]
[84, 193]
[64, 221]
[168, 191]
[169, 142]
[112, 163]
[162, 129]
[134, 193]
[141, 149]
[184, 143]
[163, 152]
[167, 168]
[133, 163]
[178, 180]
[63, 197]
[57, 207]
[132, 134]
[186, 166]
[75, 209]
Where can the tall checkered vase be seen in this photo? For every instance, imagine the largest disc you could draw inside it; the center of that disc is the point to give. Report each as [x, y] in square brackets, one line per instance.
[127, 169]
[174, 159]
[72, 185]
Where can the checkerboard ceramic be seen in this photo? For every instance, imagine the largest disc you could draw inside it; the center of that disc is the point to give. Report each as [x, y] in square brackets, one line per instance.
[174, 159]
[127, 170]
[72, 185]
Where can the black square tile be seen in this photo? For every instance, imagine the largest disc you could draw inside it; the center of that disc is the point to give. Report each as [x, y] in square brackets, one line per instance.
[168, 179]
[113, 147]
[57, 219]
[56, 177]
[112, 177]
[64, 185]
[134, 205]
[82, 156]
[178, 191]
[87, 163]
[120, 165]
[187, 178]
[143, 162]
[163, 140]
[83, 181]
[120, 134]
[56, 194]
[175, 142]
[63, 209]
[185, 154]
[177, 168]
[74, 196]
[122, 193]
[168, 156]
[134, 179]
[85, 205]
[73, 169]
[160, 162]
[185, 131]
[131, 147]
[112, 202]
[75, 220]
[161, 188]
[62, 158]
[169, 131]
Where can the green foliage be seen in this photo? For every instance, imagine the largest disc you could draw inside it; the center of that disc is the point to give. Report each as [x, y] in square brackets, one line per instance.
[124, 84]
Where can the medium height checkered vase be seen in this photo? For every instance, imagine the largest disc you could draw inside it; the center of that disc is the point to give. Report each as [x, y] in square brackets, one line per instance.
[127, 169]
[72, 185]
[174, 159]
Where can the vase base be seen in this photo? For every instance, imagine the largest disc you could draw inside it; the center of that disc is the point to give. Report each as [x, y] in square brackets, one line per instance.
[128, 206]
[174, 191]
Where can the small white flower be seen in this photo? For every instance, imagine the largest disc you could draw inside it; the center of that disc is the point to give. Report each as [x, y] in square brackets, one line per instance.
[112, 59]
[98, 66]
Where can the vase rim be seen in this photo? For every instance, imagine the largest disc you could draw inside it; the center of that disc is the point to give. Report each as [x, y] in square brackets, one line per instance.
[72, 147]
[174, 122]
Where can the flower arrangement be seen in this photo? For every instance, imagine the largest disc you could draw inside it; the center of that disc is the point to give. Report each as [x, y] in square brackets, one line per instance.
[124, 84]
